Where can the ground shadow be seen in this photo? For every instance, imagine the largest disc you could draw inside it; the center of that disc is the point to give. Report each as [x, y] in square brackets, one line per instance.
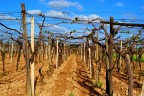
[84, 81]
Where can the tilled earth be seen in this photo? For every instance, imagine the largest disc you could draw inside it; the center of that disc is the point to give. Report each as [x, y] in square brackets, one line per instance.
[72, 78]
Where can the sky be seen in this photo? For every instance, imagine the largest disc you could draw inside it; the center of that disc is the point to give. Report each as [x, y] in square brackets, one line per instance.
[102, 8]
[122, 10]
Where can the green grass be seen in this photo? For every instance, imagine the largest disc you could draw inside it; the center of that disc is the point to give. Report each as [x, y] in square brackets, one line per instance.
[142, 59]
[98, 84]
[115, 55]
[72, 94]
[135, 58]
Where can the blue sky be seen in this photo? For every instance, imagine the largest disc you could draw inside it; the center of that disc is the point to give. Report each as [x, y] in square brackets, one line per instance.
[99, 7]
[121, 10]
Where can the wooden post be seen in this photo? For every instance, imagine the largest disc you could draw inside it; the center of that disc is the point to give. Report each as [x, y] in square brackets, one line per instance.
[142, 91]
[130, 75]
[97, 65]
[65, 55]
[120, 63]
[70, 51]
[26, 52]
[107, 66]
[81, 52]
[49, 54]
[9, 50]
[109, 83]
[84, 54]
[64, 52]
[90, 63]
[41, 50]
[3, 57]
[57, 56]
[90, 59]
[12, 51]
[46, 53]
[50, 49]
[32, 63]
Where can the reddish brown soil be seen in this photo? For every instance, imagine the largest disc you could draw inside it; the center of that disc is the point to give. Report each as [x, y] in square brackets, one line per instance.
[61, 81]
[72, 78]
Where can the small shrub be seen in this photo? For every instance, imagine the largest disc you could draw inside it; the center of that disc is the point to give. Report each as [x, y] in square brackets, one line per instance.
[72, 94]
[115, 55]
[98, 84]
[142, 59]
[134, 58]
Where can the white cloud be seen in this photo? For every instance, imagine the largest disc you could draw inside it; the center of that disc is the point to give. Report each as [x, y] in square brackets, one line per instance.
[119, 4]
[34, 11]
[57, 14]
[6, 17]
[59, 4]
[59, 28]
[81, 17]
[93, 16]
[89, 17]
[56, 28]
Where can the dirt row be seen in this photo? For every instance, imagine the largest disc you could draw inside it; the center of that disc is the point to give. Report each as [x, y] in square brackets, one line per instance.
[72, 78]
[61, 81]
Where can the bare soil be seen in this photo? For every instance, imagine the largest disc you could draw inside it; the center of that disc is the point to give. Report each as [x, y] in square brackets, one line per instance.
[72, 78]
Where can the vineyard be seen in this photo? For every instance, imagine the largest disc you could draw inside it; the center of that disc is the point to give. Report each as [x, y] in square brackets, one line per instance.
[96, 57]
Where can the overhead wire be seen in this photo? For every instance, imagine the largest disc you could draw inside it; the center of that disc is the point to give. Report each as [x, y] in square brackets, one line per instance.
[60, 20]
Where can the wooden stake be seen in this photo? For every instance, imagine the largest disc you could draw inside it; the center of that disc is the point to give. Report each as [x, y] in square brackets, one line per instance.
[46, 53]
[64, 51]
[84, 53]
[90, 64]
[90, 59]
[109, 83]
[26, 51]
[32, 63]
[81, 52]
[142, 91]
[97, 65]
[49, 54]
[57, 56]
[120, 56]
[12, 50]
